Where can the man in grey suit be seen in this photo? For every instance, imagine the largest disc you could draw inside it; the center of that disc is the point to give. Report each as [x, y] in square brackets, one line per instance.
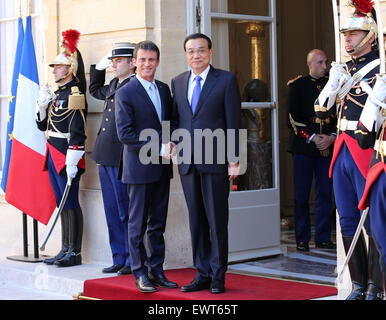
[206, 98]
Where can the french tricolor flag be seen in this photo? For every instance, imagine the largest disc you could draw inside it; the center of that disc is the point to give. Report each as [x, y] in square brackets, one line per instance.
[28, 186]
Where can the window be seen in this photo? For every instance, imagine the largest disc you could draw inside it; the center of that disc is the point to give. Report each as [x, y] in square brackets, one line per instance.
[9, 13]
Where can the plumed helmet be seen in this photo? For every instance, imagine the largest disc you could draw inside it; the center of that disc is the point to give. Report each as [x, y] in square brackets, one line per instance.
[363, 18]
[68, 52]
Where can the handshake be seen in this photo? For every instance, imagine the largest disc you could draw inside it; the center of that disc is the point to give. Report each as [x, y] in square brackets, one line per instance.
[168, 150]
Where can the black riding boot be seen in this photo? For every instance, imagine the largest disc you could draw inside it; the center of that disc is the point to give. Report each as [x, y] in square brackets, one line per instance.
[65, 239]
[357, 267]
[73, 256]
[375, 281]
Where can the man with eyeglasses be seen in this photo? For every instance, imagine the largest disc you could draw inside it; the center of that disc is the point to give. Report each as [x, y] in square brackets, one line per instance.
[206, 98]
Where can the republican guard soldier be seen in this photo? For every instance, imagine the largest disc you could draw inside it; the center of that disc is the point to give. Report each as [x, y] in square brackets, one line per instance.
[350, 163]
[371, 133]
[62, 115]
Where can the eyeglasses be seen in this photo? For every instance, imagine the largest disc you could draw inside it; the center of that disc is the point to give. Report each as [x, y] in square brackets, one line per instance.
[201, 52]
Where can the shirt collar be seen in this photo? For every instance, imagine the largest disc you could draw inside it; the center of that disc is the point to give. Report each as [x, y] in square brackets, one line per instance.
[146, 84]
[203, 74]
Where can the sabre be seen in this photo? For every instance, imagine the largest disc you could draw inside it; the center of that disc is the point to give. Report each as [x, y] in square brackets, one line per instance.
[353, 243]
[60, 209]
[336, 30]
[381, 44]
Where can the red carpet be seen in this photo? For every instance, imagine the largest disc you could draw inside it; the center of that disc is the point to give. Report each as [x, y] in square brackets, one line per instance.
[238, 287]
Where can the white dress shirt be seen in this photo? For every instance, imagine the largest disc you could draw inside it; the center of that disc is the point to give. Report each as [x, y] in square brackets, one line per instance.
[192, 82]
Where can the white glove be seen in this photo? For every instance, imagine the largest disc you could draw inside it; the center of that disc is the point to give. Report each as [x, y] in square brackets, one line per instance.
[379, 89]
[72, 159]
[104, 63]
[336, 74]
[44, 98]
[71, 172]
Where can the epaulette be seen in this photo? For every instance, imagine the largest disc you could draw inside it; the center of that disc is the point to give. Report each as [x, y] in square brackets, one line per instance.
[294, 79]
[76, 100]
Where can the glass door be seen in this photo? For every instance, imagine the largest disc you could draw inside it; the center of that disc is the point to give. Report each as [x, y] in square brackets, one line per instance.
[244, 42]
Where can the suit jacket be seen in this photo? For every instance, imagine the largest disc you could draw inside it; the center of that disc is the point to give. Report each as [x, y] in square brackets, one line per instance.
[219, 107]
[134, 112]
[107, 148]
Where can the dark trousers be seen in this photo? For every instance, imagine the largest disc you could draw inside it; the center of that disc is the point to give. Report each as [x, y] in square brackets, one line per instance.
[147, 214]
[349, 185]
[305, 169]
[377, 214]
[58, 183]
[207, 200]
[116, 205]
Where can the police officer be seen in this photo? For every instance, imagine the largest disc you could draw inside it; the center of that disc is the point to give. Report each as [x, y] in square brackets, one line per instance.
[350, 163]
[107, 152]
[310, 143]
[63, 116]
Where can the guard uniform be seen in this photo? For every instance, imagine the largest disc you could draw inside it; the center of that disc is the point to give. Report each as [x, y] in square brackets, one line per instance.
[307, 160]
[374, 195]
[350, 163]
[107, 154]
[65, 127]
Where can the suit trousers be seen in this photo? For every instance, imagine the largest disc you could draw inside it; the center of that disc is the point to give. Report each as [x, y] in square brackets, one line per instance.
[206, 196]
[58, 183]
[116, 205]
[147, 214]
[378, 215]
[305, 168]
[349, 185]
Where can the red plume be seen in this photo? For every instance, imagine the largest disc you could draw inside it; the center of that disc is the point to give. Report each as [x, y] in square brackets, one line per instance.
[71, 38]
[363, 6]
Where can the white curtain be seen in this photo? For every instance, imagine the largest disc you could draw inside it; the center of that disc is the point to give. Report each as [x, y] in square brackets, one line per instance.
[9, 12]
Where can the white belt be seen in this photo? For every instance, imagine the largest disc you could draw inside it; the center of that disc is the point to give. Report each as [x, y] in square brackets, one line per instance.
[55, 134]
[345, 124]
[380, 144]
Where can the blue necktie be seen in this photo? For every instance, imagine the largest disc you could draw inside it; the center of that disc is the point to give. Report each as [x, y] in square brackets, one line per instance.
[196, 93]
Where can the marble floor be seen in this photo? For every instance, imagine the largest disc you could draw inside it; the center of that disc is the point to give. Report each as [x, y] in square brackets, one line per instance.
[317, 265]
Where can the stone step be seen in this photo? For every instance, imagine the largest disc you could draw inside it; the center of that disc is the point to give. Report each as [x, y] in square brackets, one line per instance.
[38, 281]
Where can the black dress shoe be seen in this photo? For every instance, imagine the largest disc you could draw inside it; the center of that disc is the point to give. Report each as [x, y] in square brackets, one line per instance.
[113, 269]
[217, 287]
[125, 270]
[302, 246]
[144, 285]
[325, 245]
[196, 285]
[161, 281]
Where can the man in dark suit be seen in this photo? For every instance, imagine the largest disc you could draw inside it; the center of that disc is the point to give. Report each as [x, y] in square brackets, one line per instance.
[207, 98]
[141, 105]
[107, 152]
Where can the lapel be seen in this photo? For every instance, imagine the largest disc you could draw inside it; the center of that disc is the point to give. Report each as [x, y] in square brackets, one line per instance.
[206, 89]
[142, 91]
[185, 84]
